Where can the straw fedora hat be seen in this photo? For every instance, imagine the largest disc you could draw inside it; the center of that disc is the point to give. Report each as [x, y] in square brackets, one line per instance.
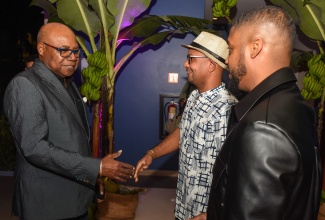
[212, 46]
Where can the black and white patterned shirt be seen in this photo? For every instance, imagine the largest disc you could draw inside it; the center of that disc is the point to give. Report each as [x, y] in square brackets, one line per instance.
[202, 132]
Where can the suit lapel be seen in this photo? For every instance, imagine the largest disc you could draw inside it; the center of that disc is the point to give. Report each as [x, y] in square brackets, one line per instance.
[84, 120]
[57, 88]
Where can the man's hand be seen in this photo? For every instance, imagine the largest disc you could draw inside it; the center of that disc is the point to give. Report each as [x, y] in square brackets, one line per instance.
[142, 165]
[202, 216]
[114, 169]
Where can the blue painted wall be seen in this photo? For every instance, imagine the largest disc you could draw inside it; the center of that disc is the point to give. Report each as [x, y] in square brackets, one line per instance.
[141, 81]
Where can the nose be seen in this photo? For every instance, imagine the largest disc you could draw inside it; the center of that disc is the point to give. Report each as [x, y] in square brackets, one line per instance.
[186, 63]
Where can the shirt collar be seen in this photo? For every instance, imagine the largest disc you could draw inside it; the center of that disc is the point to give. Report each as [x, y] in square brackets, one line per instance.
[281, 76]
[211, 91]
[68, 80]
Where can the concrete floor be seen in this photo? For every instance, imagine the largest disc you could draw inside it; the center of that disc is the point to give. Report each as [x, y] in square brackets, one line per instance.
[157, 202]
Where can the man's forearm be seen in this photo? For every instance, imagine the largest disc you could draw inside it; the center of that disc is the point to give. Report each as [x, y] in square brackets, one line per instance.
[168, 145]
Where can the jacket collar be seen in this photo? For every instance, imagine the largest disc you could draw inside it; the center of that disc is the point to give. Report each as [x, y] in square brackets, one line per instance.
[281, 76]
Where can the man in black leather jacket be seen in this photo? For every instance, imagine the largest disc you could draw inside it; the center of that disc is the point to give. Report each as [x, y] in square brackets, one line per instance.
[268, 167]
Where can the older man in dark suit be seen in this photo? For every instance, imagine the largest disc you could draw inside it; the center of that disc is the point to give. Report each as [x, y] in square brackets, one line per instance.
[55, 174]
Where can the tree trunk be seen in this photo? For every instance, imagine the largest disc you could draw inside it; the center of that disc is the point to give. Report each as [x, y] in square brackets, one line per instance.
[321, 133]
[96, 130]
[110, 119]
[104, 117]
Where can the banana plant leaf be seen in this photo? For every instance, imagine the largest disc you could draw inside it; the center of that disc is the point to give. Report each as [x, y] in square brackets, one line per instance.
[309, 15]
[299, 59]
[148, 25]
[106, 17]
[49, 8]
[88, 17]
[68, 11]
[125, 12]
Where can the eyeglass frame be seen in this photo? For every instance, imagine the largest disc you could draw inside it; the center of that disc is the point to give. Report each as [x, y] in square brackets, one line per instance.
[75, 51]
[189, 57]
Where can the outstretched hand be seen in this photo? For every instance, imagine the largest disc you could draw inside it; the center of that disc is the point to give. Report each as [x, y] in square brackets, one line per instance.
[114, 169]
[142, 165]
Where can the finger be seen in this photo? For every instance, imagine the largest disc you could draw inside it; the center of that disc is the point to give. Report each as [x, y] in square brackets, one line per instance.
[119, 178]
[117, 154]
[126, 171]
[135, 174]
[139, 167]
[125, 176]
[126, 166]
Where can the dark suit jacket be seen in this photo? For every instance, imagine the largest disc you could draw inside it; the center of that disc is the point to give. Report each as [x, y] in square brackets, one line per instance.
[55, 173]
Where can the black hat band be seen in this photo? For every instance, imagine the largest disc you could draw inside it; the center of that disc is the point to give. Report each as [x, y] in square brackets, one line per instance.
[222, 60]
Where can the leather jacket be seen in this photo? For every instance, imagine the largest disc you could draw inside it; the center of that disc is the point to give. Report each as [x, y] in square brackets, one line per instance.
[269, 166]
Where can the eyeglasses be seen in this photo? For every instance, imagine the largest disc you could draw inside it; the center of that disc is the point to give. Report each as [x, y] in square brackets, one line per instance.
[65, 52]
[190, 57]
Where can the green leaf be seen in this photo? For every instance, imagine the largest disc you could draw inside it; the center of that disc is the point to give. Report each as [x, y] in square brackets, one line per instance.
[320, 4]
[125, 11]
[185, 21]
[155, 39]
[107, 17]
[71, 14]
[143, 27]
[300, 58]
[308, 15]
[48, 8]
[148, 25]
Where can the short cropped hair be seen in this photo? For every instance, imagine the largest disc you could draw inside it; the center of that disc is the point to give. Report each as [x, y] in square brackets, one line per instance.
[274, 15]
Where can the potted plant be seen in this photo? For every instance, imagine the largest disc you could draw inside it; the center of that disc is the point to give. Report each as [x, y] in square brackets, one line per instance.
[121, 202]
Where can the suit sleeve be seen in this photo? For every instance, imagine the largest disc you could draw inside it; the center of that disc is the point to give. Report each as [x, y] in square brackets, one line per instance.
[263, 169]
[26, 111]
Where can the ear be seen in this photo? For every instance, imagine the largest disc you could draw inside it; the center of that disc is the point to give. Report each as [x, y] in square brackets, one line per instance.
[256, 48]
[40, 48]
[212, 66]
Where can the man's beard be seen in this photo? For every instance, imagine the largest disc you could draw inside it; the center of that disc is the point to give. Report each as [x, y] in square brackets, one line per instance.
[236, 76]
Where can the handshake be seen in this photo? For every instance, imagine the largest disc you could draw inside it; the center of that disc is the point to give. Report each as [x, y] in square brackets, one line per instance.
[116, 170]
[113, 169]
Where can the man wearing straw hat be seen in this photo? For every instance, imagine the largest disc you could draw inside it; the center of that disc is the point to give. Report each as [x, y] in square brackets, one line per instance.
[202, 129]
